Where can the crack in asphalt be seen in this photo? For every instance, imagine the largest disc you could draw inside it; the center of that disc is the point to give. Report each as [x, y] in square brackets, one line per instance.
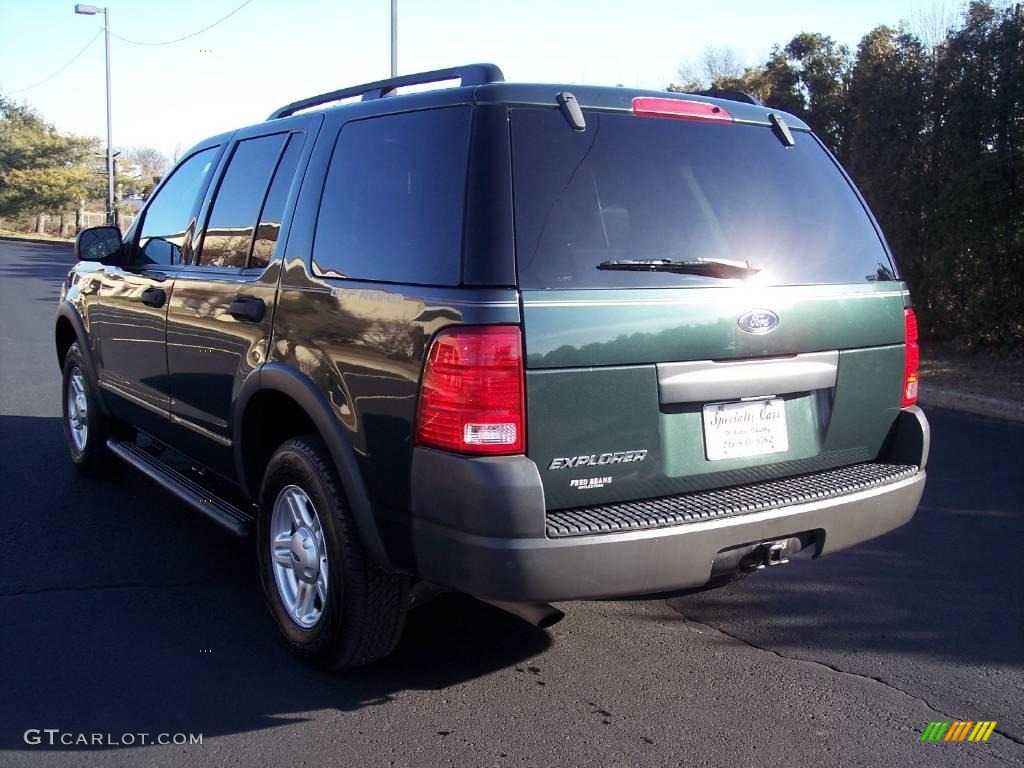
[106, 587]
[689, 623]
[837, 670]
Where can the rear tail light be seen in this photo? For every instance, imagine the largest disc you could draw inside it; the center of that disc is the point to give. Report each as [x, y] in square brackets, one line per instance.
[652, 106]
[913, 360]
[472, 399]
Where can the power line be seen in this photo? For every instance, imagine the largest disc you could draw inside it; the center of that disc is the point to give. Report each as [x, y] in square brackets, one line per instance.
[186, 37]
[70, 61]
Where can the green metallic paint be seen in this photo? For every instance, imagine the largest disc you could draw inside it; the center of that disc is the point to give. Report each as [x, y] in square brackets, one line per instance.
[682, 438]
[210, 354]
[592, 383]
[867, 397]
[586, 328]
[363, 345]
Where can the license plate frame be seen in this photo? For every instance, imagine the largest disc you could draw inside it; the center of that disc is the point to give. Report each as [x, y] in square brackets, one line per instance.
[738, 429]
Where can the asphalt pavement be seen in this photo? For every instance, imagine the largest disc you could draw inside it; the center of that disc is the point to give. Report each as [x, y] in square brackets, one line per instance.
[122, 612]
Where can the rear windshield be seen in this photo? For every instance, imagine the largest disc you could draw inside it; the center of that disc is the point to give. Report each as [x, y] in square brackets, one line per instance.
[655, 188]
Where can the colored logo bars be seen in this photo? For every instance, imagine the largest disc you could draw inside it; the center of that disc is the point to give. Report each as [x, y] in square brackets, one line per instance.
[959, 730]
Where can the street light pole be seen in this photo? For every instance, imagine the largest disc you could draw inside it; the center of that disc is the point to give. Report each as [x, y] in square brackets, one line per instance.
[111, 210]
[92, 10]
[394, 38]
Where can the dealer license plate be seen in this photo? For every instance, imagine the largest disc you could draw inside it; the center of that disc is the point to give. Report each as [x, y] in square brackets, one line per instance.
[747, 428]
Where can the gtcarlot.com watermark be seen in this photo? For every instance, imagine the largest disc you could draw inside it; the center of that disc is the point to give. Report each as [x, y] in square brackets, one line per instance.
[55, 737]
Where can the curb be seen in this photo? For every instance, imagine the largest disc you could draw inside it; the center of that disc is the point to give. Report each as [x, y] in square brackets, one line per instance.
[969, 402]
[40, 240]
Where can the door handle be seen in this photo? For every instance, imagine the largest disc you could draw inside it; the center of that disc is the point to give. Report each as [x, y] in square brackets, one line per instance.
[247, 309]
[153, 297]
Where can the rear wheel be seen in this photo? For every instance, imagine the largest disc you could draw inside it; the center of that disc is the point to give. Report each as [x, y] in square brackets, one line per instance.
[333, 605]
[86, 428]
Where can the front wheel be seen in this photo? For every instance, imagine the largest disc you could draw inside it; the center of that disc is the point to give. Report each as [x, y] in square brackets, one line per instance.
[333, 605]
[86, 428]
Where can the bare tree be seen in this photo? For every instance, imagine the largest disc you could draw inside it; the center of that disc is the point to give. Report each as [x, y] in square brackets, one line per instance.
[151, 161]
[932, 20]
[712, 64]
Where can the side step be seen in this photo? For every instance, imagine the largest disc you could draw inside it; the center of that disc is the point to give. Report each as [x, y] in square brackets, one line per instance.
[170, 479]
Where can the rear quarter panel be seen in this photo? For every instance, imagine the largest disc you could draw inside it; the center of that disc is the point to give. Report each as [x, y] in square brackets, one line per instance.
[363, 346]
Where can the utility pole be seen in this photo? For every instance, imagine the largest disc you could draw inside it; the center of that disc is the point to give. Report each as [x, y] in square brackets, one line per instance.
[394, 38]
[111, 216]
[92, 10]
[116, 219]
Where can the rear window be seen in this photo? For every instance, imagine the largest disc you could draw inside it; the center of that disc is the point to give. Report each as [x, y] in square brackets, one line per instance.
[654, 188]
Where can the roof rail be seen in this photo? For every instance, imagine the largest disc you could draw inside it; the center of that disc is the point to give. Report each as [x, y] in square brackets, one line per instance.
[730, 95]
[470, 74]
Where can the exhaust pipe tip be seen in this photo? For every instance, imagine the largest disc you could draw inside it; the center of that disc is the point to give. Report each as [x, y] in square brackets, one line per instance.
[541, 615]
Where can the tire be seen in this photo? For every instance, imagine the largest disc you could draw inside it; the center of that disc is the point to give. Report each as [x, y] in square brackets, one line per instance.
[360, 618]
[86, 428]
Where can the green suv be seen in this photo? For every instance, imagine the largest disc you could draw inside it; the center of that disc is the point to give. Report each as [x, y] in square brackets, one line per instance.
[530, 342]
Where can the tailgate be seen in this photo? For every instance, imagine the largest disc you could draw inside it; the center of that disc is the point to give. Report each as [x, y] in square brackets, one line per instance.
[617, 385]
[647, 376]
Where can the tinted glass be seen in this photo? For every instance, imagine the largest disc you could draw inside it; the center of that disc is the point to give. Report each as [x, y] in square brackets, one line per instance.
[170, 211]
[654, 188]
[273, 209]
[237, 205]
[392, 203]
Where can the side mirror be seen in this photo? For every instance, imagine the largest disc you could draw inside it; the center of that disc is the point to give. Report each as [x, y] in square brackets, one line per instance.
[98, 244]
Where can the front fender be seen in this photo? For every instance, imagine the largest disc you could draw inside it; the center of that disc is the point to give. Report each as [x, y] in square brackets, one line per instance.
[67, 311]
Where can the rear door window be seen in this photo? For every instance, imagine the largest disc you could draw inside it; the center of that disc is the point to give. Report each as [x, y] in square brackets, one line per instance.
[638, 188]
[392, 204]
[237, 204]
[269, 226]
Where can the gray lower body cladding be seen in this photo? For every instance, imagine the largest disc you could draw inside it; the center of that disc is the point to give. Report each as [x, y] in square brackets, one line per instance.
[479, 526]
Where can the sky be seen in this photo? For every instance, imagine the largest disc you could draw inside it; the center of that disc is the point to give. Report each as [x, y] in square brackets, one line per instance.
[272, 52]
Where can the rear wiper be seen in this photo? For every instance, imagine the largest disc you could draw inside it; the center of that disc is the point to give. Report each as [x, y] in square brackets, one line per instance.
[722, 268]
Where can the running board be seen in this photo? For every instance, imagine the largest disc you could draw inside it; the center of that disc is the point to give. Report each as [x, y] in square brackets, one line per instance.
[193, 494]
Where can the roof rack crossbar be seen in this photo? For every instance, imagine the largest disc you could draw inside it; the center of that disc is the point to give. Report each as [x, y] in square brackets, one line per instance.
[470, 75]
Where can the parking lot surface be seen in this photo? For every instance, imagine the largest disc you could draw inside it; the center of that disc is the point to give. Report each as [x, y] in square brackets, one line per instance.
[122, 612]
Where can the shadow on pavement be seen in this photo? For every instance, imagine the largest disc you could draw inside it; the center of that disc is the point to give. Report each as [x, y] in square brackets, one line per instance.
[35, 260]
[124, 612]
[942, 587]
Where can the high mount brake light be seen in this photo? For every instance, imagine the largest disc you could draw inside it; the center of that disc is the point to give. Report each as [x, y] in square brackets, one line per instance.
[912, 360]
[471, 399]
[683, 109]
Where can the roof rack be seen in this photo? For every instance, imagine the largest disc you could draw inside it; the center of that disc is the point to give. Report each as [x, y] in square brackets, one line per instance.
[730, 95]
[470, 74]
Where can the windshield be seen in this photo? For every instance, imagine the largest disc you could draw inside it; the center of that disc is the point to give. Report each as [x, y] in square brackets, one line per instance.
[654, 188]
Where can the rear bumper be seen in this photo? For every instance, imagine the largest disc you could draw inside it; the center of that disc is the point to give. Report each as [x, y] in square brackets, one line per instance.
[475, 528]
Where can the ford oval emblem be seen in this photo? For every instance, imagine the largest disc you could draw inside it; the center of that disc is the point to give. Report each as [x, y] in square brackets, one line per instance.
[758, 321]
